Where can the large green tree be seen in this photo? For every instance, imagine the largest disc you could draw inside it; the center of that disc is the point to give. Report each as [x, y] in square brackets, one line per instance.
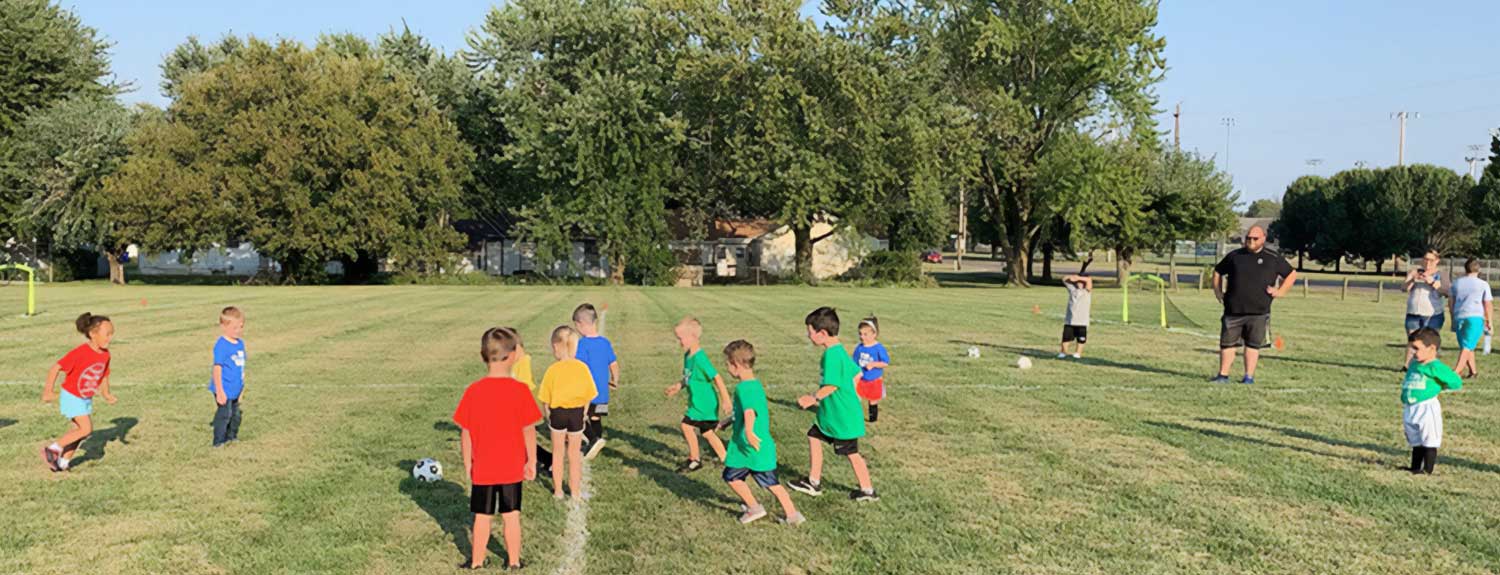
[1263, 208]
[311, 155]
[1485, 202]
[1297, 224]
[46, 55]
[1189, 200]
[1031, 71]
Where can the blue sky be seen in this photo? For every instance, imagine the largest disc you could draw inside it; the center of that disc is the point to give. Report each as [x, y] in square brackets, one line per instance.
[1302, 79]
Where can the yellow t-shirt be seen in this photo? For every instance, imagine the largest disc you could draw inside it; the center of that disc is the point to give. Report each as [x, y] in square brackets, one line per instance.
[522, 372]
[567, 384]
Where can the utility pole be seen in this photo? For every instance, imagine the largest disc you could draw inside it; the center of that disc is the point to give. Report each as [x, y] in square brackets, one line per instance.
[1474, 158]
[1177, 127]
[1401, 145]
[963, 228]
[1228, 123]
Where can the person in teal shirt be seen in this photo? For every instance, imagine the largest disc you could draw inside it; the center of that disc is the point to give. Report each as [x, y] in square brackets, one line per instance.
[1422, 416]
[752, 452]
[705, 407]
[840, 417]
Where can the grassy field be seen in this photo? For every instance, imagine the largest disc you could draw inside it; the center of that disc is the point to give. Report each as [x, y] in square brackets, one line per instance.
[1125, 462]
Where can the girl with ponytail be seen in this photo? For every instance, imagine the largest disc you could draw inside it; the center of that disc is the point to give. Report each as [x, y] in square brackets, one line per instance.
[87, 369]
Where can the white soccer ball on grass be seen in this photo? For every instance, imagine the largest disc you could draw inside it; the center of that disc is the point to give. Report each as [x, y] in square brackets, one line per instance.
[1024, 362]
[974, 352]
[427, 470]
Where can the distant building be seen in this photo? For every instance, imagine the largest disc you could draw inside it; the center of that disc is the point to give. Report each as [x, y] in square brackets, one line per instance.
[740, 248]
[493, 248]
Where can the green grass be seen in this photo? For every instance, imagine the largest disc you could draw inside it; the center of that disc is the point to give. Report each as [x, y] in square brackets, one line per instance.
[1126, 462]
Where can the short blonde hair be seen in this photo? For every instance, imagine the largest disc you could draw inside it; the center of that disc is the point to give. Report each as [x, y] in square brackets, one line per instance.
[229, 314]
[567, 336]
[692, 324]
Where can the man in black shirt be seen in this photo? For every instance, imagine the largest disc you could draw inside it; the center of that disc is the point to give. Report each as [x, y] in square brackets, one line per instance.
[1247, 293]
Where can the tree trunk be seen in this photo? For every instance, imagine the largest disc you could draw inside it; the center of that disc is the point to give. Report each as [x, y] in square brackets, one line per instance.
[1338, 265]
[802, 239]
[1172, 267]
[1299, 260]
[1047, 252]
[1122, 265]
[116, 269]
[1378, 264]
[994, 251]
[1017, 263]
[616, 269]
[1083, 269]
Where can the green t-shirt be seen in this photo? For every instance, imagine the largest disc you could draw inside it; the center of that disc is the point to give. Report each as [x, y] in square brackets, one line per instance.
[750, 395]
[1425, 381]
[840, 415]
[698, 375]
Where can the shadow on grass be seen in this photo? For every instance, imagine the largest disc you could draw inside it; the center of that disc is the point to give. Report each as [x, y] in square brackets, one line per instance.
[1274, 358]
[4, 423]
[958, 279]
[1372, 447]
[93, 446]
[666, 477]
[445, 425]
[448, 506]
[1096, 361]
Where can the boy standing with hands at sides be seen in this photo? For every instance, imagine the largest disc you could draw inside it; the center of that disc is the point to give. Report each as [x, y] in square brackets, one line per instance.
[596, 352]
[566, 390]
[496, 414]
[707, 398]
[872, 358]
[839, 422]
[87, 367]
[752, 452]
[228, 380]
[1422, 416]
[1076, 319]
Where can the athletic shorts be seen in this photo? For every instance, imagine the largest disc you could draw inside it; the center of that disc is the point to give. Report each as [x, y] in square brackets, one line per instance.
[1423, 423]
[702, 425]
[1246, 330]
[598, 410]
[1470, 330]
[566, 420]
[1078, 333]
[1416, 322]
[73, 406]
[495, 499]
[840, 446]
[766, 479]
[871, 390]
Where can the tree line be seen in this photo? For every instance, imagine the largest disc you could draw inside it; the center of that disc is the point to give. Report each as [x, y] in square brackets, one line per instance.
[569, 118]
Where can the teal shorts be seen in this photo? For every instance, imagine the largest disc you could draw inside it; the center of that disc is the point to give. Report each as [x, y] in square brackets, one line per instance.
[1469, 329]
[73, 406]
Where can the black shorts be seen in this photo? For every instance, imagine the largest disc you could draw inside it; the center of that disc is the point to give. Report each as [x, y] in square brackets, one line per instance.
[495, 499]
[840, 446]
[598, 410]
[703, 425]
[1079, 333]
[1247, 330]
[766, 479]
[566, 420]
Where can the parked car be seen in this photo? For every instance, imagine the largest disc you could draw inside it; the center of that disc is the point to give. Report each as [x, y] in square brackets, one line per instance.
[932, 257]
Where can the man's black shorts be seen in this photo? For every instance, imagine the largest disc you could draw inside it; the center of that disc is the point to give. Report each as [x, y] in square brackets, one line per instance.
[1247, 330]
[840, 446]
[495, 499]
[1079, 333]
[701, 426]
[566, 420]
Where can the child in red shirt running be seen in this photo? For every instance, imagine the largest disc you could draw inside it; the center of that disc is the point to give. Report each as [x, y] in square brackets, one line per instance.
[499, 446]
[87, 367]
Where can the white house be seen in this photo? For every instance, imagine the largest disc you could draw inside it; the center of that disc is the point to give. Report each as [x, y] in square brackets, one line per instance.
[739, 249]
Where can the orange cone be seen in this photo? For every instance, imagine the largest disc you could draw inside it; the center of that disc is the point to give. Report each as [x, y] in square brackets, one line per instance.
[1280, 343]
[1036, 309]
[143, 302]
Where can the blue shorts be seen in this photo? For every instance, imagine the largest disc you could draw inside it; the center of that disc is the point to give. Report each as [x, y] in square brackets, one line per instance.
[1469, 329]
[764, 478]
[73, 406]
[1416, 322]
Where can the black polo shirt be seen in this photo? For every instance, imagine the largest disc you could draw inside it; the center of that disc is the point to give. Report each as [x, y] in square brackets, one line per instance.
[1250, 273]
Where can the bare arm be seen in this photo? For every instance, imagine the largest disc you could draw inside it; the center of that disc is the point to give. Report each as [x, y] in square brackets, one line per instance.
[219, 395]
[1286, 284]
[529, 433]
[807, 401]
[104, 390]
[1489, 312]
[468, 452]
[49, 391]
[724, 403]
[1218, 286]
[614, 374]
[750, 436]
[1411, 280]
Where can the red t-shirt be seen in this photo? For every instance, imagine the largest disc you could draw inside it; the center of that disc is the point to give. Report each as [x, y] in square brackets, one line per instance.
[495, 410]
[85, 368]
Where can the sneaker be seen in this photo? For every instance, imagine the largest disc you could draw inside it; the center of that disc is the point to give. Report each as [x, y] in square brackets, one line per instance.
[805, 486]
[594, 449]
[470, 566]
[862, 495]
[1077, 356]
[1219, 379]
[516, 567]
[794, 519]
[691, 466]
[1248, 380]
[752, 514]
[50, 457]
[1062, 356]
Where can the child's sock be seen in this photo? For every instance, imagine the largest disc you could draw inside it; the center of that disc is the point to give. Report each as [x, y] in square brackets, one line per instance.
[874, 412]
[1429, 460]
[55, 447]
[62, 463]
[1417, 455]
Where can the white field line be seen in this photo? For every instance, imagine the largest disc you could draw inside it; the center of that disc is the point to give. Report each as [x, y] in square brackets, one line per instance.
[576, 529]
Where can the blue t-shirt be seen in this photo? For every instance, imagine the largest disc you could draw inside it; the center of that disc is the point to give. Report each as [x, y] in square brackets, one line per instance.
[597, 353]
[230, 357]
[865, 355]
[1469, 295]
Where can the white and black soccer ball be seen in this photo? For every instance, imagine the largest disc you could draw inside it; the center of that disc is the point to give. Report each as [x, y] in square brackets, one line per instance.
[974, 352]
[427, 471]
[1024, 362]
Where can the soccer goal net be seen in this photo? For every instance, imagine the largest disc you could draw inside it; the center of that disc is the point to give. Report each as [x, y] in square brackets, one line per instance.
[17, 274]
[1145, 301]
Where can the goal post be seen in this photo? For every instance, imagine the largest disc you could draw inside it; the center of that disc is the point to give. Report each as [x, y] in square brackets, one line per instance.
[1161, 294]
[30, 285]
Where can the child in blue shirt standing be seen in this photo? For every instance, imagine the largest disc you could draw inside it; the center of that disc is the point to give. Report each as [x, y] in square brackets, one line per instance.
[872, 359]
[228, 380]
[596, 352]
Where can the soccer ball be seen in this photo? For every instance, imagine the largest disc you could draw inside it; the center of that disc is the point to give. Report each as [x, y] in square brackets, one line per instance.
[1024, 362]
[974, 352]
[427, 471]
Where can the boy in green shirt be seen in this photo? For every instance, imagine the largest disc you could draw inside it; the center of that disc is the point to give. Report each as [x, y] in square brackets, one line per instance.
[704, 407]
[752, 452]
[840, 421]
[1422, 416]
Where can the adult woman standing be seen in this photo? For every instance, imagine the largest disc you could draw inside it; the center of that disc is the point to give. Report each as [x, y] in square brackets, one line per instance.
[1424, 298]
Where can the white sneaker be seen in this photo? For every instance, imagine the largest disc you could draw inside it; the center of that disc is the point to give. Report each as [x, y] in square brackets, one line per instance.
[1062, 356]
[1077, 356]
[795, 519]
[752, 514]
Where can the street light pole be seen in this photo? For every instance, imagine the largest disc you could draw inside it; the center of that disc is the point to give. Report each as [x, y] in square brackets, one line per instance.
[1228, 123]
[1401, 144]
